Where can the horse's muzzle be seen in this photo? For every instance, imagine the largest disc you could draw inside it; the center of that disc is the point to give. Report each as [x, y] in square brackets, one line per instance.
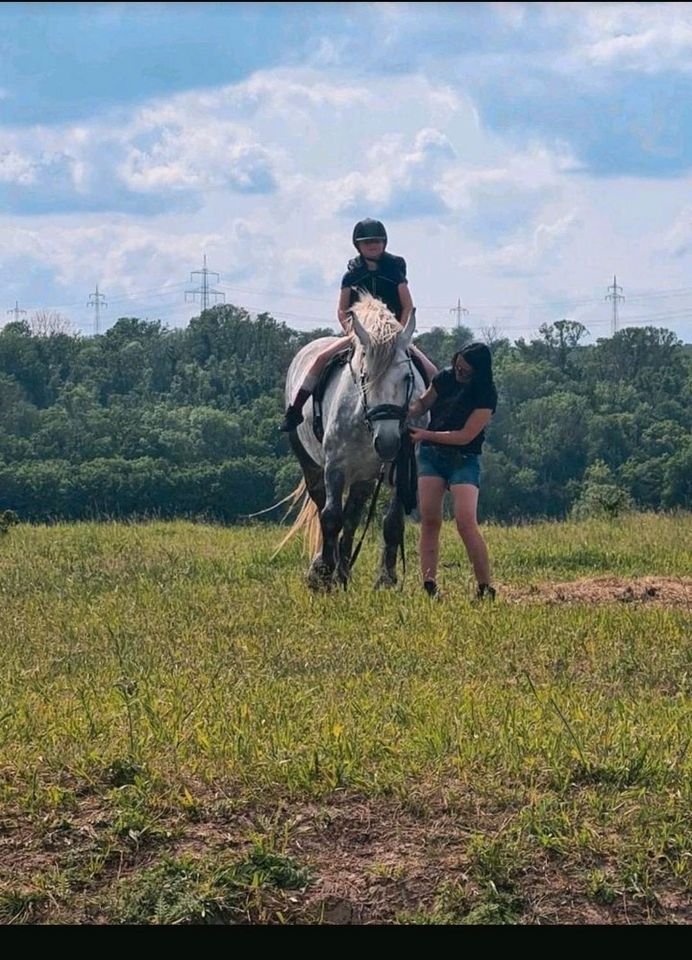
[386, 439]
[386, 423]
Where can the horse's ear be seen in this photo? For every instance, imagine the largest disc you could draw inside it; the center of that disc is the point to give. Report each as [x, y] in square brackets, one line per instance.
[360, 331]
[408, 331]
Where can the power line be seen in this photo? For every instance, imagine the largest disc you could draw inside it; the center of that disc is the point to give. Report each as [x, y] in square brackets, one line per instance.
[203, 291]
[131, 297]
[668, 315]
[278, 293]
[170, 288]
[17, 311]
[135, 296]
[95, 302]
[661, 294]
[460, 311]
[614, 296]
[573, 302]
[164, 297]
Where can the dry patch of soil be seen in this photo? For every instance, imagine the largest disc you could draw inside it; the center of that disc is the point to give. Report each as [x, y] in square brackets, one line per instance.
[653, 591]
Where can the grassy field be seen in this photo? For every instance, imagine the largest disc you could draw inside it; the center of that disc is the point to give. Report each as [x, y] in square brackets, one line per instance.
[188, 735]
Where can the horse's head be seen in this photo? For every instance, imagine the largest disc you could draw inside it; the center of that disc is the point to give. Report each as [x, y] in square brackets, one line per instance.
[387, 376]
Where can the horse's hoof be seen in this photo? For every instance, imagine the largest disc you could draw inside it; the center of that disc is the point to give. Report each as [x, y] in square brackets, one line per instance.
[320, 578]
[385, 582]
[319, 584]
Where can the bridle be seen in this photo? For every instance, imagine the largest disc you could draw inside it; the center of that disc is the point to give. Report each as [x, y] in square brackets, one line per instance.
[385, 411]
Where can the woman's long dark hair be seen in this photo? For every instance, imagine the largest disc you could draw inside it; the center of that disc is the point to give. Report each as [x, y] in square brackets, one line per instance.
[478, 356]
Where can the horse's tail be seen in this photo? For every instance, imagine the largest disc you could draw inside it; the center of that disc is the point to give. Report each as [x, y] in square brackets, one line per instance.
[307, 521]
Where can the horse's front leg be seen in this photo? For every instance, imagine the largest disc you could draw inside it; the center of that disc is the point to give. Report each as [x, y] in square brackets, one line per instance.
[393, 537]
[331, 522]
[357, 498]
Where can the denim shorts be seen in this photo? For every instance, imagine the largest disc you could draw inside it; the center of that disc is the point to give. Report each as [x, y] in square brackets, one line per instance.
[449, 463]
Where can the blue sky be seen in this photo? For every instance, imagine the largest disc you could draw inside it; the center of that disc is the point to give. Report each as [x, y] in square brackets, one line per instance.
[520, 155]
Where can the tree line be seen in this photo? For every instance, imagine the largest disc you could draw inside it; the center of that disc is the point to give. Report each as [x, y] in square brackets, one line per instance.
[147, 420]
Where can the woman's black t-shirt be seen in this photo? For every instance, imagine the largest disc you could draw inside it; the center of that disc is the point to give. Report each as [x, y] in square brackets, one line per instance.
[455, 403]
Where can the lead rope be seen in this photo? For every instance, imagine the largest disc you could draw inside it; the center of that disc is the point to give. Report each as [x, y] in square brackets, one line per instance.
[371, 513]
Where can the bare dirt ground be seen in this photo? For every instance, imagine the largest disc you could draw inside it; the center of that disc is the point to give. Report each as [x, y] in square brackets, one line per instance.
[371, 861]
[653, 591]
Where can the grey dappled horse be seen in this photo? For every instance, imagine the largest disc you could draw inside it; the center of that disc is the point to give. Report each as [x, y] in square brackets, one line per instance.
[364, 411]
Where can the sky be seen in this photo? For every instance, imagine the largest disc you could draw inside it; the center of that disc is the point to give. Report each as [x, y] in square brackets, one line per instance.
[521, 156]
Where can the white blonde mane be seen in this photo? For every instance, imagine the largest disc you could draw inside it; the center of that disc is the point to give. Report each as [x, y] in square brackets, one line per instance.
[382, 328]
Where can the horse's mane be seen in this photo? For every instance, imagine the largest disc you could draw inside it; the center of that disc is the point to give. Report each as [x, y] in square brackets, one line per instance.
[382, 328]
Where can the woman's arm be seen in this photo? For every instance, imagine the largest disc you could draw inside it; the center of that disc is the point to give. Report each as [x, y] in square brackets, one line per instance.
[456, 438]
[423, 403]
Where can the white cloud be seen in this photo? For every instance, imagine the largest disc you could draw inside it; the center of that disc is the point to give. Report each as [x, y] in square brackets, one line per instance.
[393, 174]
[196, 158]
[471, 213]
[118, 254]
[534, 252]
[662, 48]
[191, 142]
[328, 53]
[282, 89]
[677, 241]
[646, 37]
[14, 168]
[536, 171]
[244, 138]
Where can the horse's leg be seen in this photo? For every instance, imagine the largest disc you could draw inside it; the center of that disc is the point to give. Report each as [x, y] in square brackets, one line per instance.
[313, 472]
[314, 481]
[357, 498]
[331, 522]
[393, 536]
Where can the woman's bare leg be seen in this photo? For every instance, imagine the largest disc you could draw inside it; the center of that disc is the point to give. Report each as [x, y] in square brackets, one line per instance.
[465, 498]
[431, 491]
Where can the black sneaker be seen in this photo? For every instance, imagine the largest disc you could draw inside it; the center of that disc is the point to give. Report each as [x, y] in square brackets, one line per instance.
[291, 420]
[485, 592]
[432, 589]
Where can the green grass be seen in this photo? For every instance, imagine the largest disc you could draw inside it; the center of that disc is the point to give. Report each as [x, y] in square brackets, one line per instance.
[194, 890]
[149, 668]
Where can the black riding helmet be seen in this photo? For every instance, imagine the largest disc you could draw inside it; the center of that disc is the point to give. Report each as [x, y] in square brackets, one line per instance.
[369, 230]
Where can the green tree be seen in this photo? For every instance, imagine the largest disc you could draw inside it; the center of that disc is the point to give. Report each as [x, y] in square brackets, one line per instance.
[600, 495]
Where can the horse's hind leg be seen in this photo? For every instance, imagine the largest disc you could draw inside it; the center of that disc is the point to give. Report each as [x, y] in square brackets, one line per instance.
[318, 576]
[313, 472]
[393, 537]
[357, 498]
